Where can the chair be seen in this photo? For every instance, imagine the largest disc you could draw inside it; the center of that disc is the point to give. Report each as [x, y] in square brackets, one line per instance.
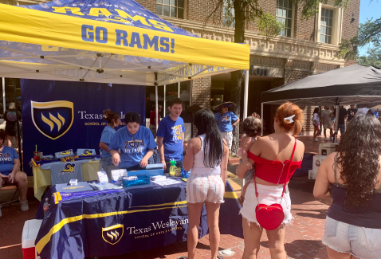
[9, 187]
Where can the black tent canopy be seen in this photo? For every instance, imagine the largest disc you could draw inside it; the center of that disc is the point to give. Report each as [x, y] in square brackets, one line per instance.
[354, 84]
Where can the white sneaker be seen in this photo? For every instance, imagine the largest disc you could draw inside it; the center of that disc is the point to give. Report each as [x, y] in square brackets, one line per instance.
[316, 140]
[24, 205]
[326, 139]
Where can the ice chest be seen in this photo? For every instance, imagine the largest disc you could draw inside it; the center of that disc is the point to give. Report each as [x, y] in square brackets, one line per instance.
[29, 235]
[149, 172]
[316, 162]
[327, 148]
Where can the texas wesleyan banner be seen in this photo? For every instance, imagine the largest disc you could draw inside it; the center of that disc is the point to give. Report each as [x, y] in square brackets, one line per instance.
[58, 115]
[116, 222]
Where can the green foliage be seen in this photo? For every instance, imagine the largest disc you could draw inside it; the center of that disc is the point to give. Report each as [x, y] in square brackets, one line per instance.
[268, 25]
[373, 57]
[369, 32]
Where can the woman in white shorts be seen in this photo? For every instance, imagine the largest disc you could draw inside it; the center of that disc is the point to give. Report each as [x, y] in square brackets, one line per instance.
[207, 156]
[352, 177]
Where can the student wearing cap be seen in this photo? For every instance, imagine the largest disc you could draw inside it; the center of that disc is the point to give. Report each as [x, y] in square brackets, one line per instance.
[226, 120]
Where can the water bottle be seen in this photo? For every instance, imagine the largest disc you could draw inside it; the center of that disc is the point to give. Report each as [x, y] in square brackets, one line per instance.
[46, 206]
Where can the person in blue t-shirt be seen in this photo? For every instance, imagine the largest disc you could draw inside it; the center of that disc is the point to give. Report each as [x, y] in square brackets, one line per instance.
[9, 171]
[226, 120]
[113, 120]
[135, 142]
[170, 135]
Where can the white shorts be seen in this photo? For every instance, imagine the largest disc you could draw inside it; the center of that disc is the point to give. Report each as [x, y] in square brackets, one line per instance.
[228, 136]
[205, 188]
[266, 195]
[345, 238]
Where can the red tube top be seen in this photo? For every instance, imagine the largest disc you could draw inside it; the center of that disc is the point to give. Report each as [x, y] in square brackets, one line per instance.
[270, 171]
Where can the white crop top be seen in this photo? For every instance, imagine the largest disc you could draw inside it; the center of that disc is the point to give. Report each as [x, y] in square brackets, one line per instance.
[198, 164]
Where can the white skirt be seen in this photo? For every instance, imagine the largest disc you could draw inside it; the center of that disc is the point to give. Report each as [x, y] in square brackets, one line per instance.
[266, 195]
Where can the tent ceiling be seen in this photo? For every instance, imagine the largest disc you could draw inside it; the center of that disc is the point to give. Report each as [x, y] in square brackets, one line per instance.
[107, 41]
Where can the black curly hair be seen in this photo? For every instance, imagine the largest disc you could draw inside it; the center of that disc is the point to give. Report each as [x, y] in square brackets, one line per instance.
[252, 126]
[359, 159]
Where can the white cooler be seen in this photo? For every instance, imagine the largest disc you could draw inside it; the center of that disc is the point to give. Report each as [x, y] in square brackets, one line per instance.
[327, 148]
[29, 235]
[316, 162]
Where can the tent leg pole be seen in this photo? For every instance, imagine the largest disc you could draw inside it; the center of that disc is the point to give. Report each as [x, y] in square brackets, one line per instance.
[178, 89]
[4, 102]
[164, 107]
[336, 123]
[246, 94]
[157, 107]
[262, 119]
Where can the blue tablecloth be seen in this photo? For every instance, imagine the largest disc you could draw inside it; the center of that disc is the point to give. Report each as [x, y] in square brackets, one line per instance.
[116, 222]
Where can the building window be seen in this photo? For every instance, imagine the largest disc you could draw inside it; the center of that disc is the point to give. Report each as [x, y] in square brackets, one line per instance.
[284, 16]
[171, 8]
[326, 19]
[228, 14]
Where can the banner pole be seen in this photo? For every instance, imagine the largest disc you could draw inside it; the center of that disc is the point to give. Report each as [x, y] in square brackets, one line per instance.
[246, 94]
[4, 103]
[157, 107]
[164, 107]
[18, 126]
[178, 89]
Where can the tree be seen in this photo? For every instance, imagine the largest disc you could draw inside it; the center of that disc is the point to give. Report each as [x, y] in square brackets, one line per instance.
[238, 13]
[373, 58]
[369, 33]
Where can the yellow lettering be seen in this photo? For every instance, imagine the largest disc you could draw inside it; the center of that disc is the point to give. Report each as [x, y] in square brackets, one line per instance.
[98, 11]
[160, 25]
[64, 9]
[134, 18]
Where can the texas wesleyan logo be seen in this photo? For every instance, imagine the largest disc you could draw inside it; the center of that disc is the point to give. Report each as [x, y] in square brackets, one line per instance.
[5, 157]
[113, 234]
[69, 169]
[53, 119]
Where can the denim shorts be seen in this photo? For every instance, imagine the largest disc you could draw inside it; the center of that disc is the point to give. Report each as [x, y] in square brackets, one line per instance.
[361, 242]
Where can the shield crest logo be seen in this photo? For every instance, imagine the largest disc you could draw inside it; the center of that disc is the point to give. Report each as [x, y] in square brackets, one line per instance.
[113, 234]
[52, 119]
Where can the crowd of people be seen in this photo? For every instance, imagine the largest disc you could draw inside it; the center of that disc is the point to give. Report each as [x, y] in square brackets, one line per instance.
[325, 119]
[350, 176]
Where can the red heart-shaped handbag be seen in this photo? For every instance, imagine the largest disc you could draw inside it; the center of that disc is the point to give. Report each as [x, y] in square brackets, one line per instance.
[269, 216]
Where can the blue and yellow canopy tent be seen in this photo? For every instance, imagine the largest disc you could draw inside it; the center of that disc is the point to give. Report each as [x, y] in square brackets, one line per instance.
[107, 41]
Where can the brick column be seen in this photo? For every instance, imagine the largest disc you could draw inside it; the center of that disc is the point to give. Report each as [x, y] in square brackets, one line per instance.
[201, 92]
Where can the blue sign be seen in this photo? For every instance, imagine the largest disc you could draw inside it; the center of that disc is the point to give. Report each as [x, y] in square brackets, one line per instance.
[58, 115]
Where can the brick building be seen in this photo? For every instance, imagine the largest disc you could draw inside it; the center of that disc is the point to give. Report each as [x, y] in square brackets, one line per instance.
[305, 47]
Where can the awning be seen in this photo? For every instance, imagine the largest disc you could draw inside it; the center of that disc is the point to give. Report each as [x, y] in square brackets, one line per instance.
[354, 84]
[107, 42]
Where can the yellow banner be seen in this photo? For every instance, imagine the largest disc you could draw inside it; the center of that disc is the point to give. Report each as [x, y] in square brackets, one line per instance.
[37, 27]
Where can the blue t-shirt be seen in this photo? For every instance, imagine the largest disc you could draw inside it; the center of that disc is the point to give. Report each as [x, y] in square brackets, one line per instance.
[7, 157]
[225, 121]
[106, 136]
[172, 134]
[133, 147]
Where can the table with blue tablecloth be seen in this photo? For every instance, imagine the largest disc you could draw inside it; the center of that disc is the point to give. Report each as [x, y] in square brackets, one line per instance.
[115, 222]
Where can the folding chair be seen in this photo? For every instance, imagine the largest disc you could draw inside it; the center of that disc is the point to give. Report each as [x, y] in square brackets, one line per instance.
[9, 187]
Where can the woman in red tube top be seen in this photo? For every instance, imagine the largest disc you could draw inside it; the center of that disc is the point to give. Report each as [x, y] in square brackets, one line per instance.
[271, 157]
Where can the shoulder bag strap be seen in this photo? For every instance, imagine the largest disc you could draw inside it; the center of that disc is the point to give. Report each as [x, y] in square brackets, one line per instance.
[289, 167]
